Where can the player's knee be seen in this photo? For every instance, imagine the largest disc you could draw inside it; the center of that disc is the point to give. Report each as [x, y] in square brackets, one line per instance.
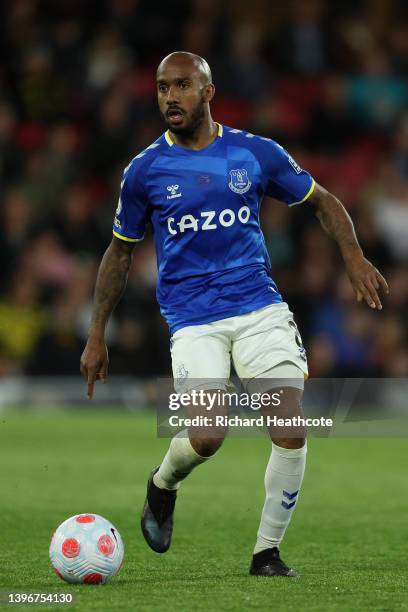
[206, 446]
[289, 442]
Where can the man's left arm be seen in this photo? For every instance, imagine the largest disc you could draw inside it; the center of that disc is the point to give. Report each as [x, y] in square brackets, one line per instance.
[364, 277]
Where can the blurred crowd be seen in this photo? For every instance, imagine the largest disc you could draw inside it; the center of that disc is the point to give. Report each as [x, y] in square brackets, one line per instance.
[326, 79]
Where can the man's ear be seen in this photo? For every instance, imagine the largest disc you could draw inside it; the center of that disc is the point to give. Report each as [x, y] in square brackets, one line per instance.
[209, 92]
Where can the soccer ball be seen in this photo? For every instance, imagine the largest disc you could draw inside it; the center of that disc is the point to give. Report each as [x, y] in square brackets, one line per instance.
[86, 548]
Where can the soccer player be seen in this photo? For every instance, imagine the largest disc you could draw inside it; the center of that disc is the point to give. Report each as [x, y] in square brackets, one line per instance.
[200, 186]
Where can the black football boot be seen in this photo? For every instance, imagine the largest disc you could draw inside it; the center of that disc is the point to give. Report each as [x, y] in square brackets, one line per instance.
[157, 516]
[268, 563]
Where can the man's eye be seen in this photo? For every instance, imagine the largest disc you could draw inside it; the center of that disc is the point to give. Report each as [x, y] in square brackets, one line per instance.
[184, 85]
[162, 88]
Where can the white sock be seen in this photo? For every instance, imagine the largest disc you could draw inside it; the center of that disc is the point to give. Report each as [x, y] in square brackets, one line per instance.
[283, 478]
[179, 461]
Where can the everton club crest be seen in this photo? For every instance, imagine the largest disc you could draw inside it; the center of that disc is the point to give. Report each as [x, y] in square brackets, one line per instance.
[239, 181]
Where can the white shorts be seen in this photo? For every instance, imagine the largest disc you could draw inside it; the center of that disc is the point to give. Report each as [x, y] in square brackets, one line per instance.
[263, 344]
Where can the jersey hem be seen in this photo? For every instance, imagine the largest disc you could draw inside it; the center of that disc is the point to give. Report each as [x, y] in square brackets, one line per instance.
[127, 239]
[227, 314]
[309, 193]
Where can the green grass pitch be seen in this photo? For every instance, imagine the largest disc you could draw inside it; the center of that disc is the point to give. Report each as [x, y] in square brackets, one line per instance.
[348, 537]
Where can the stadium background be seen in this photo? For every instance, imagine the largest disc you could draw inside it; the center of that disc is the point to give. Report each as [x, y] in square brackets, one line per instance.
[328, 80]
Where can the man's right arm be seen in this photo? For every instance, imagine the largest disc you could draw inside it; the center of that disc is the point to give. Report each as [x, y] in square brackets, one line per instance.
[110, 285]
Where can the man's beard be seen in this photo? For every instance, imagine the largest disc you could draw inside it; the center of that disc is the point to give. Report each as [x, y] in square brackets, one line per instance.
[197, 117]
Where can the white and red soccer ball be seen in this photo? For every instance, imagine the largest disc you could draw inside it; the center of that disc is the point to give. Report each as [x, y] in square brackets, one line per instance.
[86, 548]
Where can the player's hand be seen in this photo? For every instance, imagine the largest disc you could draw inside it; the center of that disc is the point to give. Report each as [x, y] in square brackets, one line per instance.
[366, 281]
[94, 363]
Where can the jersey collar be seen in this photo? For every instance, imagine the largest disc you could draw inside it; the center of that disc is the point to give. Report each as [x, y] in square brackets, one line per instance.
[171, 143]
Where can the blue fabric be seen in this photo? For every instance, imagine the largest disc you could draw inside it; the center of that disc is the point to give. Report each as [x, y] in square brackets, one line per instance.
[204, 209]
[288, 506]
[290, 496]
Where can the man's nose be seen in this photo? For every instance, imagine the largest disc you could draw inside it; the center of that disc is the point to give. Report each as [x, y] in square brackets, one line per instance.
[172, 95]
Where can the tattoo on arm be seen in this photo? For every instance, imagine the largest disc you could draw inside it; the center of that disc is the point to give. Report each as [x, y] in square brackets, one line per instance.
[364, 277]
[335, 220]
[111, 282]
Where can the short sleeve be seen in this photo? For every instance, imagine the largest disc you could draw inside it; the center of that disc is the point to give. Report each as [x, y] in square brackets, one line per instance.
[131, 215]
[285, 179]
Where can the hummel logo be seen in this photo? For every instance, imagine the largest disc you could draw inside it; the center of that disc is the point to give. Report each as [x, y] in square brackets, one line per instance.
[173, 190]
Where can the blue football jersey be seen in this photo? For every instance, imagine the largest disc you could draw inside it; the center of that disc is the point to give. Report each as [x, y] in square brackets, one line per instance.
[204, 210]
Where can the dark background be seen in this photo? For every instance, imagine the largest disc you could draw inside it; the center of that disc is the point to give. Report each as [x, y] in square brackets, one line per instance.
[328, 80]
